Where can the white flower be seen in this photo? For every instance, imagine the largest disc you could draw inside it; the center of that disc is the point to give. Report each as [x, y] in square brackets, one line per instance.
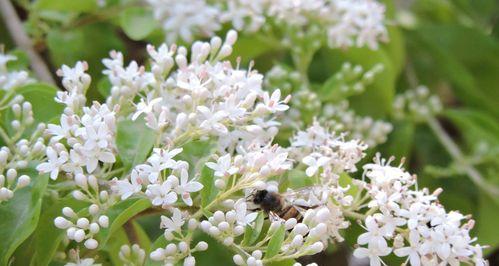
[243, 217]
[54, 162]
[185, 186]
[145, 107]
[374, 234]
[126, 188]
[161, 195]
[212, 120]
[412, 251]
[273, 102]
[223, 166]
[314, 164]
[173, 224]
[373, 253]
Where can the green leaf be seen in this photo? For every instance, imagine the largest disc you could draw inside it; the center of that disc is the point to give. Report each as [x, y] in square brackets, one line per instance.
[252, 233]
[19, 215]
[75, 5]
[400, 140]
[113, 247]
[41, 96]
[487, 222]
[376, 101]
[142, 237]
[47, 237]
[137, 22]
[134, 140]
[209, 191]
[119, 214]
[89, 43]
[275, 242]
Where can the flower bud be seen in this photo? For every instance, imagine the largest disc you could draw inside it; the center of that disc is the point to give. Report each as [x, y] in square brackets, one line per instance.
[238, 260]
[189, 261]
[61, 222]
[91, 243]
[23, 181]
[103, 221]
[202, 246]
[183, 247]
[170, 249]
[79, 235]
[157, 255]
[83, 223]
[68, 212]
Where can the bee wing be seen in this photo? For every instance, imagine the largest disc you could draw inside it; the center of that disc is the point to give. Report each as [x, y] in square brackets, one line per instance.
[301, 197]
[274, 217]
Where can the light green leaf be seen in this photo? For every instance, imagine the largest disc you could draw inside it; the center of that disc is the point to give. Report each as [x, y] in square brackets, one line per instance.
[41, 96]
[19, 215]
[487, 222]
[137, 22]
[209, 191]
[119, 214]
[275, 242]
[75, 5]
[252, 233]
[134, 140]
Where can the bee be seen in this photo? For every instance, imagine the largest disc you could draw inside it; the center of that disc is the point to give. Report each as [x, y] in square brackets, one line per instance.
[277, 206]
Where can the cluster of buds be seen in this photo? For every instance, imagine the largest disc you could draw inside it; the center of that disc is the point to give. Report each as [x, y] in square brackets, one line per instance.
[343, 119]
[133, 255]
[173, 253]
[81, 229]
[229, 225]
[417, 104]
[10, 79]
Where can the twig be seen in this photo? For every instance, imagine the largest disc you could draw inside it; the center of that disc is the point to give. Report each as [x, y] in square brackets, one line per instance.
[459, 158]
[14, 25]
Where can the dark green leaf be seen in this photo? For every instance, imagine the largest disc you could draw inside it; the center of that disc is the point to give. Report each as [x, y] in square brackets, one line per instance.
[47, 237]
[19, 215]
[134, 140]
[275, 242]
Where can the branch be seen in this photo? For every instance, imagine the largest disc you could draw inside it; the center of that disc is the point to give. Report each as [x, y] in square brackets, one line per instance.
[14, 25]
[459, 158]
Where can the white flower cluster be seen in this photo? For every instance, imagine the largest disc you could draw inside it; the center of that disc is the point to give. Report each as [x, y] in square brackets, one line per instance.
[76, 83]
[90, 137]
[23, 139]
[416, 224]
[418, 104]
[253, 166]
[175, 252]
[343, 23]
[160, 189]
[325, 153]
[342, 119]
[229, 225]
[207, 97]
[10, 79]
[82, 229]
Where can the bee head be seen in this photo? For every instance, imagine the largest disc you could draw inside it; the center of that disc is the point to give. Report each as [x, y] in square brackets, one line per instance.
[259, 196]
